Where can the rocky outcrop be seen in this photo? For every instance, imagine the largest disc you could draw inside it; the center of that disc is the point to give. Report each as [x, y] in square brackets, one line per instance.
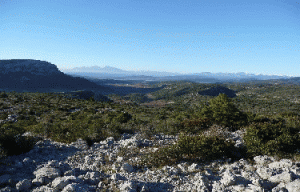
[53, 166]
[33, 75]
[35, 67]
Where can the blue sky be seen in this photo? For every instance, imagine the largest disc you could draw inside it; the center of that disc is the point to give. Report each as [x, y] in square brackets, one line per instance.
[186, 36]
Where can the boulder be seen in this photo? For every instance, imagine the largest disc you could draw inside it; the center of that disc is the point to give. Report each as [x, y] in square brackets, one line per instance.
[263, 160]
[47, 172]
[228, 178]
[283, 163]
[61, 182]
[293, 186]
[285, 177]
[264, 173]
[128, 186]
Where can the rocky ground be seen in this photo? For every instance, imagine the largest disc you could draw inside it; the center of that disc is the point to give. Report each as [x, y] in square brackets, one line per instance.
[108, 166]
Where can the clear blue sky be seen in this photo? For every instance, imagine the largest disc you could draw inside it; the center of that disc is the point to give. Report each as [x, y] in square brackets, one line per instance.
[186, 36]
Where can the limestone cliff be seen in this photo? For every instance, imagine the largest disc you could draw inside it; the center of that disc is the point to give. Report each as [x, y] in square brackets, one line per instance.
[35, 67]
[33, 75]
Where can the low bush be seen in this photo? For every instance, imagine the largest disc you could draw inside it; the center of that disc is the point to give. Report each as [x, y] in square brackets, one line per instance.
[195, 126]
[193, 148]
[12, 142]
[205, 147]
[3, 95]
[16, 145]
[271, 137]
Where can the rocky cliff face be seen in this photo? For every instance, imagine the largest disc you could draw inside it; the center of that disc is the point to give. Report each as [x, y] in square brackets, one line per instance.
[35, 67]
[33, 75]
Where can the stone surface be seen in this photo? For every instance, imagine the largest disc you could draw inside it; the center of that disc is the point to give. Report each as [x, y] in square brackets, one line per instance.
[293, 186]
[48, 172]
[53, 167]
[23, 185]
[60, 182]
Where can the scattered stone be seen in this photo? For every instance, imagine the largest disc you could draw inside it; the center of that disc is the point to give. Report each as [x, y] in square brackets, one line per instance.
[193, 167]
[60, 182]
[75, 167]
[23, 185]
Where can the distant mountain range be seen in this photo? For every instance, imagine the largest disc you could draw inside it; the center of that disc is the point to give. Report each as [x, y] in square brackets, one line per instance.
[108, 72]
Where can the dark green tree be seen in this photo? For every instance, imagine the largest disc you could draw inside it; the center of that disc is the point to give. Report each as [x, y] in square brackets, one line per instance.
[222, 111]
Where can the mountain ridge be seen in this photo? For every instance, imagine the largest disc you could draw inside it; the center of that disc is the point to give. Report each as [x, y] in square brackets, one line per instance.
[34, 75]
[116, 73]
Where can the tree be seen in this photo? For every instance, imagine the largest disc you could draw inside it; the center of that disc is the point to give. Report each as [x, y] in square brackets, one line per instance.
[222, 111]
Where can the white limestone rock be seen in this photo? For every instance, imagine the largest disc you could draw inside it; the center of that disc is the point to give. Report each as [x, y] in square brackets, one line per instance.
[48, 172]
[120, 159]
[131, 142]
[101, 185]
[263, 160]
[280, 188]
[264, 172]
[44, 189]
[23, 185]
[116, 177]
[8, 189]
[193, 167]
[293, 186]
[53, 164]
[128, 186]
[39, 181]
[285, 177]
[61, 182]
[228, 178]
[27, 161]
[283, 163]
[253, 188]
[170, 170]
[92, 177]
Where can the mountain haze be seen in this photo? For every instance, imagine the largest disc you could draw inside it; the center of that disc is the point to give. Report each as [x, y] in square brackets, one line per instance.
[108, 72]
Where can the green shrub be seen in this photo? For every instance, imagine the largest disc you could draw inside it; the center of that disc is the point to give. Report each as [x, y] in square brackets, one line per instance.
[223, 112]
[191, 148]
[271, 137]
[205, 147]
[16, 145]
[195, 126]
[3, 95]
[11, 141]
[163, 156]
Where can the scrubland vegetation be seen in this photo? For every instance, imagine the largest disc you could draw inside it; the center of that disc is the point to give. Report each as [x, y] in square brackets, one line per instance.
[268, 113]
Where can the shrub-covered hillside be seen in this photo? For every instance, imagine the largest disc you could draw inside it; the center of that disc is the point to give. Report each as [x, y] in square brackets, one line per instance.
[267, 113]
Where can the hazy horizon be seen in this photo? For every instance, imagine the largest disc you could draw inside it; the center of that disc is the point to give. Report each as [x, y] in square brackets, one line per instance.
[72, 70]
[192, 36]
